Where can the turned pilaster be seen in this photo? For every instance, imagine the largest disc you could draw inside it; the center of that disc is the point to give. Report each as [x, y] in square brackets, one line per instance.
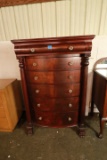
[83, 91]
[25, 96]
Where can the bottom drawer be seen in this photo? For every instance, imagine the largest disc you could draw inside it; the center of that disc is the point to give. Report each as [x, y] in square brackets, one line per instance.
[54, 119]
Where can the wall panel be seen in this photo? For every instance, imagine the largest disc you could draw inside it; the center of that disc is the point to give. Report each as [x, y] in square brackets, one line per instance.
[2, 31]
[22, 24]
[63, 18]
[103, 24]
[8, 21]
[35, 20]
[49, 19]
[78, 14]
[56, 18]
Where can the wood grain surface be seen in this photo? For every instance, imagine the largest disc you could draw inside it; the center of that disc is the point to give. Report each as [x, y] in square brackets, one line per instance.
[4, 3]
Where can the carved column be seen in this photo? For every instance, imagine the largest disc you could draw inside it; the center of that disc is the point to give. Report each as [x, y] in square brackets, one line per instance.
[83, 91]
[29, 126]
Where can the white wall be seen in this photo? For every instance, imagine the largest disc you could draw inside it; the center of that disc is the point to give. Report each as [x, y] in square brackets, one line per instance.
[8, 63]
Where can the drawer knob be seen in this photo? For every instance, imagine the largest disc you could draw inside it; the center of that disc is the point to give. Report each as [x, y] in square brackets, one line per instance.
[32, 50]
[34, 64]
[36, 91]
[38, 105]
[36, 77]
[71, 48]
[70, 63]
[70, 90]
[70, 77]
[69, 119]
[40, 118]
[70, 105]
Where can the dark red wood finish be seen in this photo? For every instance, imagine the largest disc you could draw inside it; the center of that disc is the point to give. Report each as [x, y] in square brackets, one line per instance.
[99, 98]
[54, 80]
[53, 104]
[54, 91]
[56, 119]
[53, 77]
[47, 63]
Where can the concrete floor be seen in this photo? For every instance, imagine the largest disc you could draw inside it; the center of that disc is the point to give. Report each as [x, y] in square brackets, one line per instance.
[54, 144]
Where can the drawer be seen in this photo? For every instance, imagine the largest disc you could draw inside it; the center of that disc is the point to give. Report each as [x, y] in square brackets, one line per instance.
[58, 104]
[50, 64]
[53, 77]
[2, 113]
[46, 48]
[54, 90]
[56, 119]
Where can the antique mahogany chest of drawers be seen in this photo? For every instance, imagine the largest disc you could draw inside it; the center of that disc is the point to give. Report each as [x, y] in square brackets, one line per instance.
[54, 80]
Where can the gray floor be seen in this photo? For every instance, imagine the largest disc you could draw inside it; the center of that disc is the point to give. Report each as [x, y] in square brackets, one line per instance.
[54, 144]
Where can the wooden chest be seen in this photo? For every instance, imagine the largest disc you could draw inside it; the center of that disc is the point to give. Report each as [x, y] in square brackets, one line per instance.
[54, 80]
[10, 104]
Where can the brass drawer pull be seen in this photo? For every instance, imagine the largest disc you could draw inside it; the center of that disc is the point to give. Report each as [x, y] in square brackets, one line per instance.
[36, 77]
[70, 105]
[36, 91]
[40, 118]
[70, 77]
[34, 64]
[70, 63]
[69, 119]
[38, 105]
[71, 48]
[32, 50]
[70, 90]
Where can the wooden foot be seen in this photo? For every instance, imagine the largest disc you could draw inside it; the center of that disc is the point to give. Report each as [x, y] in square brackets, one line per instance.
[81, 132]
[29, 129]
[102, 122]
[100, 135]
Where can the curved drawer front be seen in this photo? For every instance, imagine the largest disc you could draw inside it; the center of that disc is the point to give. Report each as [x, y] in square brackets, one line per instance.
[48, 64]
[46, 48]
[54, 91]
[57, 105]
[53, 77]
[56, 119]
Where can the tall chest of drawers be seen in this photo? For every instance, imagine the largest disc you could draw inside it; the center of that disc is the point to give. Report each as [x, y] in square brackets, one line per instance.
[54, 80]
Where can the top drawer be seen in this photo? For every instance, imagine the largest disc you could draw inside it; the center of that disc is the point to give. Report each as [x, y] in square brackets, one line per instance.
[46, 48]
[46, 64]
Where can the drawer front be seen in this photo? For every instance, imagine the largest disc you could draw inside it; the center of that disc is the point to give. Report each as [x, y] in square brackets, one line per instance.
[45, 48]
[54, 90]
[53, 77]
[56, 119]
[48, 64]
[2, 113]
[57, 105]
